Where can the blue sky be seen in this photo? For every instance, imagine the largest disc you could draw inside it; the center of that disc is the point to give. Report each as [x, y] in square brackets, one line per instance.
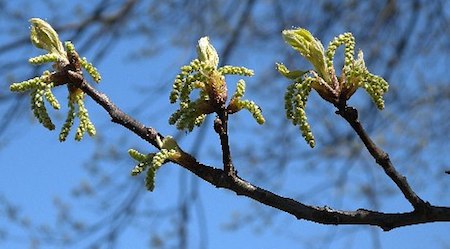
[36, 168]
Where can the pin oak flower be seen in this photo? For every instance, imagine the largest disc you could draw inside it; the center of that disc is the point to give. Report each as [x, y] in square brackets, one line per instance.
[323, 78]
[204, 74]
[170, 151]
[62, 58]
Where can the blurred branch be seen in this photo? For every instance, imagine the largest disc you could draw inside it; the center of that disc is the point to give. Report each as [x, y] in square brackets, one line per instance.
[237, 31]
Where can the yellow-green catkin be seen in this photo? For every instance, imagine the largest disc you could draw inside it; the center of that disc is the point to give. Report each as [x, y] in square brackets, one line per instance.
[136, 155]
[152, 162]
[144, 161]
[93, 72]
[51, 98]
[150, 178]
[161, 157]
[42, 59]
[139, 168]
[253, 108]
[157, 160]
[39, 110]
[85, 123]
[376, 87]
[25, 85]
[68, 123]
[233, 70]
[295, 98]
[346, 39]
[240, 90]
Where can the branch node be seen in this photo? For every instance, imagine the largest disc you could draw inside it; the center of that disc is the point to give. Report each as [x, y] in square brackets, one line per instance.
[383, 158]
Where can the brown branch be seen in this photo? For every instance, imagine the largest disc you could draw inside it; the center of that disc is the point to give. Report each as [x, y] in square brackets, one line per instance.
[149, 134]
[221, 127]
[350, 114]
[221, 179]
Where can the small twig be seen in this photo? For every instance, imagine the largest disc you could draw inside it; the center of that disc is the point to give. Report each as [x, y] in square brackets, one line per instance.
[382, 158]
[221, 127]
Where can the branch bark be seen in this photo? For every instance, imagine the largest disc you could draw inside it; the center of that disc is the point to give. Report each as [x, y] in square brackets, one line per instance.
[324, 215]
[350, 114]
[149, 134]
[221, 127]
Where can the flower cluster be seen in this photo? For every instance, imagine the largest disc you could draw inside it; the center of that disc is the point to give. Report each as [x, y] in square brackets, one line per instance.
[237, 104]
[204, 74]
[323, 78]
[43, 36]
[40, 90]
[153, 161]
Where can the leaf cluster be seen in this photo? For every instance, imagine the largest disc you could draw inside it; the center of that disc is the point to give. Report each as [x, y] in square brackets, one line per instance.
[43, 36]
[204, 75]
[323, 78]
[153, 161]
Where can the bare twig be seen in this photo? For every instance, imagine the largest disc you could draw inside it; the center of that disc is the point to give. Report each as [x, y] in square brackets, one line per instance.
[221, 127]
[222, 179]
[221, 123]
[350, 114]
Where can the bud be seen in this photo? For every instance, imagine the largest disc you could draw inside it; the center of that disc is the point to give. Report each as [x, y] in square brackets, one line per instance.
[43, 36]
[207, 53]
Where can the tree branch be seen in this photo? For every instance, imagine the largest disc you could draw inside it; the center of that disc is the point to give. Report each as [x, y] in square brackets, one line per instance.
[149, 134]
[221, 127]
[221, 179]
[350, 114]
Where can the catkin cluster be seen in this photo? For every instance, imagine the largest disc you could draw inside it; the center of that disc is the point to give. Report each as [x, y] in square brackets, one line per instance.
[153, 161]
[150, 162]
[43, 36]
[40, 90]
[323, 78]
[76, 98]
[237, 103]
[204, 75]
[375, 86]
